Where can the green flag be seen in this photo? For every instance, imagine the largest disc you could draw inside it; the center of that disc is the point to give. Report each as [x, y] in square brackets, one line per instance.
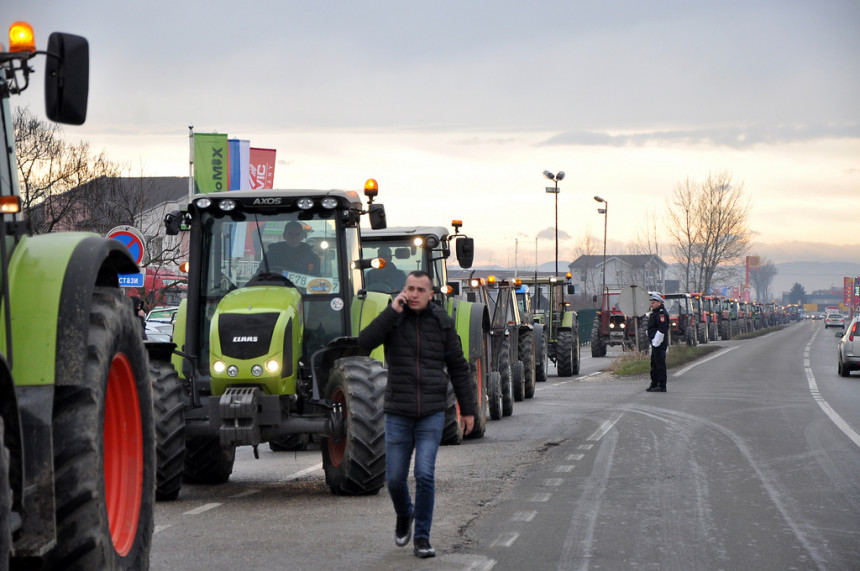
[211, 164]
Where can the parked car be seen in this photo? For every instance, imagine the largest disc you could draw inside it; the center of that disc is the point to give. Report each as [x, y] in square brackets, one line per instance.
[162, 314]
[834, 320]
[159, 323]
[849, 349]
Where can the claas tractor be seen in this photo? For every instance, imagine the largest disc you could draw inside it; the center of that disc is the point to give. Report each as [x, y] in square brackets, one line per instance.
[730, 323]
[77, 436]
[713, 308]
[526, 315]
[700, 317]
[560, 323]
[427, 248]
[528, 347]
[267, 337]
[682, 319]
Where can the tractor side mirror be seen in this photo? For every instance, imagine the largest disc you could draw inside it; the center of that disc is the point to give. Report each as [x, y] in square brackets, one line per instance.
[376, 213]
[172, 222]
[67, 77]
[571, 289]
[465, 251]
[594, 299]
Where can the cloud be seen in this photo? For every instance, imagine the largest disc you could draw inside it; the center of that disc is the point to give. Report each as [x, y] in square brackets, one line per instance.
[735, 137]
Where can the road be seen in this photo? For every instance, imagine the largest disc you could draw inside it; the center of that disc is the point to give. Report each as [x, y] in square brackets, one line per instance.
[751, 460]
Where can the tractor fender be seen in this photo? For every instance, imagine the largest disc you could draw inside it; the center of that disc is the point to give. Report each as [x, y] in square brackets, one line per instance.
[569, 320]
[472, 321]
[51, 282]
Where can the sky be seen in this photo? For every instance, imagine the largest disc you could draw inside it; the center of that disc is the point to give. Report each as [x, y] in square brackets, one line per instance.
[456, 108]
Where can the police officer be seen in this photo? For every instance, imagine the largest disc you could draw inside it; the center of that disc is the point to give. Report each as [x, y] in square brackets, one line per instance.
[658, 333]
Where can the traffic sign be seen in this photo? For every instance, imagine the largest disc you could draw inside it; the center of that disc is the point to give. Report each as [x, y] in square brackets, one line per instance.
[132, 239]
[130, 280]
[634, 301]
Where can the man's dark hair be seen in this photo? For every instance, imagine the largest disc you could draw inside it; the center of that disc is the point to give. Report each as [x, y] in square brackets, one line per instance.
[420, 274]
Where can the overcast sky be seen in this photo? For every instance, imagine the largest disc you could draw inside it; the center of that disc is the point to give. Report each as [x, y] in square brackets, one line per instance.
[456, 108]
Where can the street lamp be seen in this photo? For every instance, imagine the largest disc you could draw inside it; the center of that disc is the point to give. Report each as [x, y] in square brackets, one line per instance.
[605, 212]
[554, 190]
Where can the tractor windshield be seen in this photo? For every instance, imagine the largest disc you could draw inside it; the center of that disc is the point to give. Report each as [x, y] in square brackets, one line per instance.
[401, 257]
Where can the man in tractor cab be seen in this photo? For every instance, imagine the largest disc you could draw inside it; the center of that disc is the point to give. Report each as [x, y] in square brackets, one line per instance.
[388, 278]
[420, 340]
[292, 254]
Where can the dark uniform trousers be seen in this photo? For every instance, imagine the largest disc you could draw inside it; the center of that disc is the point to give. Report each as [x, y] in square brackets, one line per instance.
[658, 366]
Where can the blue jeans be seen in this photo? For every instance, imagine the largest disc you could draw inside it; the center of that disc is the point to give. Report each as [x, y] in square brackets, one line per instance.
[402, 435]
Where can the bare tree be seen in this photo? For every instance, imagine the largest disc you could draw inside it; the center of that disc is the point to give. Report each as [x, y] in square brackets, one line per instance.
[708, 225]
[586, 246]
[53, 172]
[762, 278]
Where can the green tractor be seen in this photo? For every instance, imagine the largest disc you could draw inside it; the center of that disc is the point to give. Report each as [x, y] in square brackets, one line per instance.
[560, 323]
[266, 339]
[427, 248]
[77, 438]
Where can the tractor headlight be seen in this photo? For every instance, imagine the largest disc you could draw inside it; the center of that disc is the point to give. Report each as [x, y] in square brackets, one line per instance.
[272, 365]
[257, 370]
[227, 205]
[305, 203]
[622, 325]
[232, 371]
[203, 203]
[612, 326]
[328, 203]
[418, 241]
[219, 367]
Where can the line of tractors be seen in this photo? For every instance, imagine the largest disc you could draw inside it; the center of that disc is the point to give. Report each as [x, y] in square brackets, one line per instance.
[694, 319]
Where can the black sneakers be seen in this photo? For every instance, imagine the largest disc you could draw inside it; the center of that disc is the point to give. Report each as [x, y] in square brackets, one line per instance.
[403, 530]
[422, 548]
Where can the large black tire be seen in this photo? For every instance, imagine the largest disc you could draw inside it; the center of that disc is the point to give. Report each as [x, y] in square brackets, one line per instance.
[690, 336]
[644, 342]
[527, 356]
[494, 395]
[712, 331]
[568, 365]
[702, 332]
[598, 343]
[290, 443]
[518, 380]
[843, 370]
[355, 465]
[206, 461]
[452, 432]
[541, 359]
[725, 330]
[104, 446]
[507, 377]
[478, 383]
[5, 503]
[169, 429]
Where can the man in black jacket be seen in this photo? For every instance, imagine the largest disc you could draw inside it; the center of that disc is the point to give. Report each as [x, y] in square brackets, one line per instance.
[658, 333]
[420, 341]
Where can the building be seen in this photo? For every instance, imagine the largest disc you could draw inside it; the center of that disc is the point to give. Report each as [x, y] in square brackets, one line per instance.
[644, 270]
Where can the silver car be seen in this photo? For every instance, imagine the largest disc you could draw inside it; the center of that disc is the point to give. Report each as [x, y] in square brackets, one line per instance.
[849, 349]
[834, 320]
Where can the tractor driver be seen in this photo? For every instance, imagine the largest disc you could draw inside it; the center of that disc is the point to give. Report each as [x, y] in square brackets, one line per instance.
[292, 254]
[388, 278]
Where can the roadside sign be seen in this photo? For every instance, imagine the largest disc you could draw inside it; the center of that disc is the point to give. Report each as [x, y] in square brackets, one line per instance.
[132, 239]
[130, 280]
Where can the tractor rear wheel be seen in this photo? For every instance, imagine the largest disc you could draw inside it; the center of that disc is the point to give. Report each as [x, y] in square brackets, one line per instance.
[690, 336]
[169, 429]
[712, 331]
[518, 379]
[527, 356]
[702, 332]
[565, 351]
[506, 373]
[452, 432]
[355, 464]
[541, 360]
[476, 376]
[206, 461]
[290, 443]
[5, 502]
[494, 395]
[104, 446]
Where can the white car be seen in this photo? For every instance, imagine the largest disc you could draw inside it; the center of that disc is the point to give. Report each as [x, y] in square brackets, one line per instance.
[834, 320]
[849, 349]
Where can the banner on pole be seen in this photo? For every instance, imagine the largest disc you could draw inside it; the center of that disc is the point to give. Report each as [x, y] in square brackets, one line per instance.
[240, 157]
[211, 166]
[262, 168]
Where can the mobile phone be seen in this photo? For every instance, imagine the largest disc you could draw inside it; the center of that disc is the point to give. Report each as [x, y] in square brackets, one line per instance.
[402, 302]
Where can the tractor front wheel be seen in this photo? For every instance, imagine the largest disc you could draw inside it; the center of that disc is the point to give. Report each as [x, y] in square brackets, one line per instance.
[507, 377]
[5, 502]
[541, 359]
[518, 379]
[527, 356]
[452, 432]
[494, 395]
[355, 464]
[567, 365]
[477, 382]
[104, 446]
[169, 429]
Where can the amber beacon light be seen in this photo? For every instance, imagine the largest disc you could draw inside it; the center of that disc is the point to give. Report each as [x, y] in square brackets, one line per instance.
[21, 38]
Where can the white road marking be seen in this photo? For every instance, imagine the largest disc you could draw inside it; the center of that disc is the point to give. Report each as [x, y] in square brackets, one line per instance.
[301, 473]
[201, 509]
[540, 497]
[565, 468]
[160, 528]
[825, 406]
[575, 457]
[524, 516]
[585, 446]
[244, 494]
[554, 482]
[505, 539]
[699, 362]
[605, 427]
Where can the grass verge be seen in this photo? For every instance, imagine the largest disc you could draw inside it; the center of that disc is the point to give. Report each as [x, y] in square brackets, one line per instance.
[639, 362]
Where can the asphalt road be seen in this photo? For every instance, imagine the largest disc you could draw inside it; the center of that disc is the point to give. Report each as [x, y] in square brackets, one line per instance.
[750, 461]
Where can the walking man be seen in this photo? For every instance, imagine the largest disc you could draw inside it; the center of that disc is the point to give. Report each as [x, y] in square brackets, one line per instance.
[420, 342]
[658, 329]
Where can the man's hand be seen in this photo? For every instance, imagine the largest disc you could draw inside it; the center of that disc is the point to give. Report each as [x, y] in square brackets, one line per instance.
[468, 423]
[399, 302]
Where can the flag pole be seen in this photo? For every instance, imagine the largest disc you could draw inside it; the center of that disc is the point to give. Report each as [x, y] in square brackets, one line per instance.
[190, 162]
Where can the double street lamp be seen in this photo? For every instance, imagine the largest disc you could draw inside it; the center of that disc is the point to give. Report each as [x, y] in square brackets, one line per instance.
[605, 212]
[554, 190]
